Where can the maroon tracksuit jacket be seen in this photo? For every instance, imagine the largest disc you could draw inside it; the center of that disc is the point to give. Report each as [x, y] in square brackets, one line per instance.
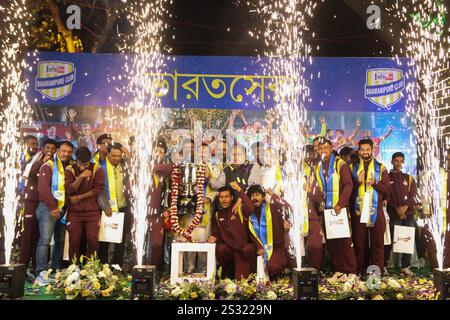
[84, 216]
[341, 250]
[233, 239]
[360, 230]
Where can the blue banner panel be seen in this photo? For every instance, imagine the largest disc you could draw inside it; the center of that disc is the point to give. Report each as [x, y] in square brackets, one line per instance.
[336, 84]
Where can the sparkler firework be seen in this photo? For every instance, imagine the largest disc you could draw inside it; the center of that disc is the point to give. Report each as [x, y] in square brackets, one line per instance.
[14, 112]
[427, 48]
[285, 24]
[144, 111]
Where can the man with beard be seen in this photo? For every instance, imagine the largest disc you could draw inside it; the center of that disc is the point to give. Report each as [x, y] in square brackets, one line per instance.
[400, 205]
[52, 205]
[332, 190]
[377, 141]
[30, 234]
[369, 176]
[230, 233]
[266, 225]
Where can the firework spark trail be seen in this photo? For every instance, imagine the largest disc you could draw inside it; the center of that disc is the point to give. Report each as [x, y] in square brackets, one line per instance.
[426, 49]
[285, 24]
[144, 112]
[15, 111]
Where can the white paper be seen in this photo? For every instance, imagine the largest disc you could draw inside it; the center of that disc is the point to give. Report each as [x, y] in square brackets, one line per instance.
[365, 210]
[262, 273]
[111, 228]
[66, 247]
[336, 226]
[387, 232]
[403, 239]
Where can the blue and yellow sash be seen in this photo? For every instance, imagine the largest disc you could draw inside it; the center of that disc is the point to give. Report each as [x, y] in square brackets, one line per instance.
[58, 177]
[110, 183]
[263, 230]
[96, 158]
[374, 170]
[330, 186]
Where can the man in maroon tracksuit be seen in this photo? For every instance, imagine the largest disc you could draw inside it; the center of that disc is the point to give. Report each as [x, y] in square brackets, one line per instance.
[314, 245]
[30, 235]
[84, 182]
[155, 219]
[400, 206]
[274, 253]
[341, 250]
[378, 179]
[230, 233]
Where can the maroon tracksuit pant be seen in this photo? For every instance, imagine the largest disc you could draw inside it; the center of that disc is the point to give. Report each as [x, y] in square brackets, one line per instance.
[361, 234]
[314, 245]
[30, 235]
[156, 229]
[432, 251]
[77, 225]
[243, 261]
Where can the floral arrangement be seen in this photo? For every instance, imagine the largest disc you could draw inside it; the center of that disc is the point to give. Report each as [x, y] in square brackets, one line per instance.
[90, 281]
[245, 289]
[186, 232]
[282, 289]
[384, 289]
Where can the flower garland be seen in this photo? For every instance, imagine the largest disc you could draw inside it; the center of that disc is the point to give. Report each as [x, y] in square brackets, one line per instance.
[186, 232]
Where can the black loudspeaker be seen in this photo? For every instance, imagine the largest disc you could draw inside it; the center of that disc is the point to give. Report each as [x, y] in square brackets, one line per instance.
[441, 280]
[143, 282]
[12, 280]
[306, 284]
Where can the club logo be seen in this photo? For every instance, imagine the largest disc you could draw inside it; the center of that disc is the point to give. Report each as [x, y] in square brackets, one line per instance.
[384, 86]
[54, 79]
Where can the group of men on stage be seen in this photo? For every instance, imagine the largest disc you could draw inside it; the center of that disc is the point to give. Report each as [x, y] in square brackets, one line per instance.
[244, 210]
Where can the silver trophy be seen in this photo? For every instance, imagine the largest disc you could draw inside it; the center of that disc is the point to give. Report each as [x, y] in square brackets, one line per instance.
[187, 196]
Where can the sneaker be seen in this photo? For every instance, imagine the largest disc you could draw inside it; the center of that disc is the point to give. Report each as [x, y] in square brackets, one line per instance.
[407, 272]
[385, 273]
[42, 279]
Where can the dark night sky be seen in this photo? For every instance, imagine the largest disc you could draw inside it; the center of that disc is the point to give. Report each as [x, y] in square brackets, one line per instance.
[200, 28]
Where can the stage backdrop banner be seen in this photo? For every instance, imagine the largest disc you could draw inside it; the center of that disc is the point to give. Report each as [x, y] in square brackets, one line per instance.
[336, 84]
[343, 91]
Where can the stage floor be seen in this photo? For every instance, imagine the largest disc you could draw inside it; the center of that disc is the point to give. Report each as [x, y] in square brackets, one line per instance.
[394, 287]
